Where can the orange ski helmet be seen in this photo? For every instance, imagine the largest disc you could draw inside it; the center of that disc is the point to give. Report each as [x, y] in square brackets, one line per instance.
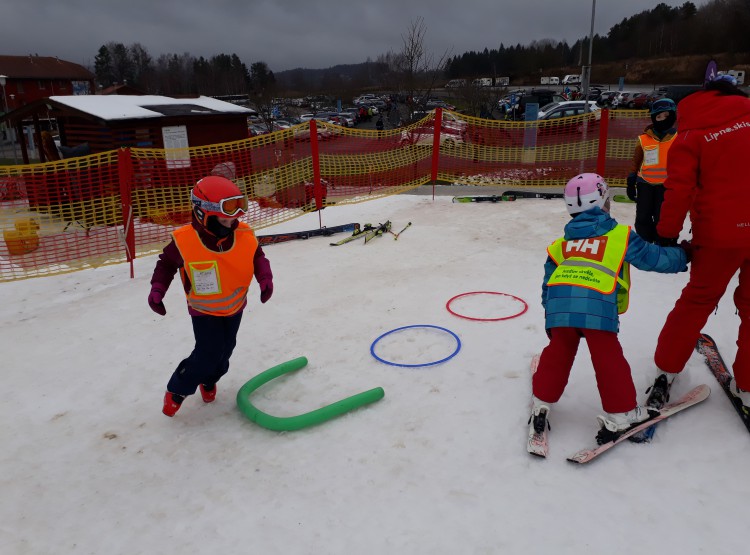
[217, 196]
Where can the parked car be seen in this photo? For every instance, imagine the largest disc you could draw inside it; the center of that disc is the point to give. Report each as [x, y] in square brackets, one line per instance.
[653, 97]
[255, 129]
[542, 97]
[348, 118]
[558, 112]
[452, 132]
[565, 109]
[637, 101]
[432, 104]
[623, 97]
[606, 98]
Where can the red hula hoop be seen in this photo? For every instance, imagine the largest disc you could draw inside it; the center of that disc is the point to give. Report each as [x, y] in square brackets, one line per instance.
[525, 306]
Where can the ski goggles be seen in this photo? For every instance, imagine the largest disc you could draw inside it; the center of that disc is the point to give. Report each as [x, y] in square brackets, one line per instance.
[231, 206]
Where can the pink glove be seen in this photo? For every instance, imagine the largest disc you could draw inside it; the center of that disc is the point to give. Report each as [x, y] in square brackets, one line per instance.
[155, 301]
[266, 289]
[264, 275]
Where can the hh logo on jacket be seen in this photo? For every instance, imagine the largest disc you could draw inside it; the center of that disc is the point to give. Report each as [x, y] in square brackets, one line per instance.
[591, 249]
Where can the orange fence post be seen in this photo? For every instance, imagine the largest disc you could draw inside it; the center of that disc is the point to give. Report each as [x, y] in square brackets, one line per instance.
[601, 158]
[436, 148]
[125, 174]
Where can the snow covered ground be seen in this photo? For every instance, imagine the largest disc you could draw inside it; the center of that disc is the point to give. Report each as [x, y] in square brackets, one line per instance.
[439, 466]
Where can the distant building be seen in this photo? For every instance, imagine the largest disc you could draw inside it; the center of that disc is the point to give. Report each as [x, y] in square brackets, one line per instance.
[30, 78]
[97, 123]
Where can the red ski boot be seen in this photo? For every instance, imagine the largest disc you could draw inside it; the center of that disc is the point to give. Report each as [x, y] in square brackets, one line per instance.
[172, 403]
[209, 395]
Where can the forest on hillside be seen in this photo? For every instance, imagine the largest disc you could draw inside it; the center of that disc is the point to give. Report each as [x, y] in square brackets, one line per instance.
[685, 36]
[718, 27]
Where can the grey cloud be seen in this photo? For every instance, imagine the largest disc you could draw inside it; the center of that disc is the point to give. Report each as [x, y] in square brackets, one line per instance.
[297, 33]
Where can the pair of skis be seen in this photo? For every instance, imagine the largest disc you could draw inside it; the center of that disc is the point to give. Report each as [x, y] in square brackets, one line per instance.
[507, 196]
[707, 347]
[538, 441]
[369, 232]
[264, 240]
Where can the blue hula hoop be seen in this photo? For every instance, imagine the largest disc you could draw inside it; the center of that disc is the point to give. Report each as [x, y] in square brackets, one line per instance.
[450, 356]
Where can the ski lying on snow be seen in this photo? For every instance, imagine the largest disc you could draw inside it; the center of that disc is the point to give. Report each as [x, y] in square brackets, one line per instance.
[368, 232]
[707, 347]
[537, 443]
[493, 198]
[395, 235]
[691, 398]
[531, 194]
[293, 235]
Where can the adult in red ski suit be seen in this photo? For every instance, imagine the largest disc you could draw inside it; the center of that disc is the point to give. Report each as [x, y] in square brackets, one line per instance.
[709, 177]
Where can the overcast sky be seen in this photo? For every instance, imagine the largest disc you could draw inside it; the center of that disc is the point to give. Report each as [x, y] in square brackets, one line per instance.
[297, 33]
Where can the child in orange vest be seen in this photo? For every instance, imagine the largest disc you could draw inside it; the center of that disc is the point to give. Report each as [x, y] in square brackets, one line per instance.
[217, 257]
[645, 183]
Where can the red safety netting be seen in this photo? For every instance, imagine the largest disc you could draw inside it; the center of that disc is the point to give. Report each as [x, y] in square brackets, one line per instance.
[110, 207]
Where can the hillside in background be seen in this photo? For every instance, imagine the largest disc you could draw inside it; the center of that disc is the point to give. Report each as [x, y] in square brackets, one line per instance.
[673, 69]
[647, 71]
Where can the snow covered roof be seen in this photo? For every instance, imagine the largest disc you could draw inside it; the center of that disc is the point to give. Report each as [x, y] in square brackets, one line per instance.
[117, 107]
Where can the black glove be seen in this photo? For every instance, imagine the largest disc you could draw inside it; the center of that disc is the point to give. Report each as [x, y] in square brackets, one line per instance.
[631, 191]
[666, 241]
[687, 246]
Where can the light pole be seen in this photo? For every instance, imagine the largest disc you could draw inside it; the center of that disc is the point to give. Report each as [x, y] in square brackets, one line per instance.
[587, 68]
[3, 81]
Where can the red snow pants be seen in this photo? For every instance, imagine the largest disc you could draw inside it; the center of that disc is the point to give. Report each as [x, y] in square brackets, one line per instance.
[710, 272]
[613, 378]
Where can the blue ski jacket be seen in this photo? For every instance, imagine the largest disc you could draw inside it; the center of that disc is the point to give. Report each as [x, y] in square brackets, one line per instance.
[581, 307]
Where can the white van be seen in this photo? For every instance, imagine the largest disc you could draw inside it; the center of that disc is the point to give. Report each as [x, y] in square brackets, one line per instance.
[554, 80]
[482, 82]
[571, 80]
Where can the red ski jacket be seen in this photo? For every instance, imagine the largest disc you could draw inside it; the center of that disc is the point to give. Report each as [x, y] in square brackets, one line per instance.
[708, 171]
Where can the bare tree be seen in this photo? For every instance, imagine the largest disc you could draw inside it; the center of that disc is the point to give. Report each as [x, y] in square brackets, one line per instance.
[416, 69]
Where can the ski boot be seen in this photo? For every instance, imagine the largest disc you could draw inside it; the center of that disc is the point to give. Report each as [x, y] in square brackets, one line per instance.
[208, 392]
[538, 419]
[172, 403]
[613, 425]
[658, 393]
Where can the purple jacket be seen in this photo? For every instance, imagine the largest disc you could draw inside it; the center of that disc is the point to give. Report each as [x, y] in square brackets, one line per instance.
[170, 261]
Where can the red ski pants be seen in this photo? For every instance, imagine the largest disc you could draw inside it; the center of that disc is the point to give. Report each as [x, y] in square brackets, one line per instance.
[710, 272]
[613, 378]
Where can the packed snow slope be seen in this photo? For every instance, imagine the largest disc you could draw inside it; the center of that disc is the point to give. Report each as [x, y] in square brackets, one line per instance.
[438, 466]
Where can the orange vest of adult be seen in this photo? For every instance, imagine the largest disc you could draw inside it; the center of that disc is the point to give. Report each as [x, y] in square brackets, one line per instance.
[219, 281]
[654, 165]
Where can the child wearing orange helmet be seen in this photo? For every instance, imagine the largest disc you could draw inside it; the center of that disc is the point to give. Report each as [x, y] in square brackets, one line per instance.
[217, 257]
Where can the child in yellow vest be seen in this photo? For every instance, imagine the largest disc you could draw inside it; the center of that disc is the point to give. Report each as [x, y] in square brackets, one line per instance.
[585, 288]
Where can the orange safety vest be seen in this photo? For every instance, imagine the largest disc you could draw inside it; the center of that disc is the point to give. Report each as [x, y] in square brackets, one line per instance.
[219, 281]
[654, 165]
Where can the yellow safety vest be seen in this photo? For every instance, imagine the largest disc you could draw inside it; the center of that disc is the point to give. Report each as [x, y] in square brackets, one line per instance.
[594, 263]
[654, 166]
[219, 281]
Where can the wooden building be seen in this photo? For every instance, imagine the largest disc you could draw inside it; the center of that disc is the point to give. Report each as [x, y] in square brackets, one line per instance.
[31, 78]
[109, 122]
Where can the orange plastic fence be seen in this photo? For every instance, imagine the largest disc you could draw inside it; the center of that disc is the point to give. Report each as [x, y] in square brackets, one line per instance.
[109, 208]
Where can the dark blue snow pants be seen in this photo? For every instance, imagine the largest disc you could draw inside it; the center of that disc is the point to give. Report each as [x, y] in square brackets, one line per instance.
[215, 338]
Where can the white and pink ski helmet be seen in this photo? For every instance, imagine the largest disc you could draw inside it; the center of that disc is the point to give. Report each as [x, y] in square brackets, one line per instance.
[585, 191]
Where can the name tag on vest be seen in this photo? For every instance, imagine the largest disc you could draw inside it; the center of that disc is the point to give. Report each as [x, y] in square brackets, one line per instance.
[205, 278]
